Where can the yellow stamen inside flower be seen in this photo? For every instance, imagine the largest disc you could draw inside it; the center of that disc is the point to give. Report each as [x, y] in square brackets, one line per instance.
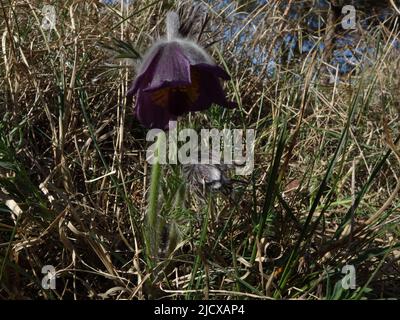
[162, 96]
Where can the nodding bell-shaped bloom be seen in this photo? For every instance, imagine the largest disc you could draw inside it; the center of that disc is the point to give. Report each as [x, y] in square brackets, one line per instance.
[176, 77]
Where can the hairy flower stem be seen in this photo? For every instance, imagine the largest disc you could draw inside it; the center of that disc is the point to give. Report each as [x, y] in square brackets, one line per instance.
[172, 25]
[152, 216]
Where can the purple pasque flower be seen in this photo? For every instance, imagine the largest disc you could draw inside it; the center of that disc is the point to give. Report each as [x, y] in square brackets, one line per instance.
[176, 77]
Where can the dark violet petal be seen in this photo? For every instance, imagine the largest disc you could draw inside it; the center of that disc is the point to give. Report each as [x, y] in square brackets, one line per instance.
[151, 115]
[170, 84]
[171, 68]
[133, 88]
[213, 69]
[146, 69]
[210, 92]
